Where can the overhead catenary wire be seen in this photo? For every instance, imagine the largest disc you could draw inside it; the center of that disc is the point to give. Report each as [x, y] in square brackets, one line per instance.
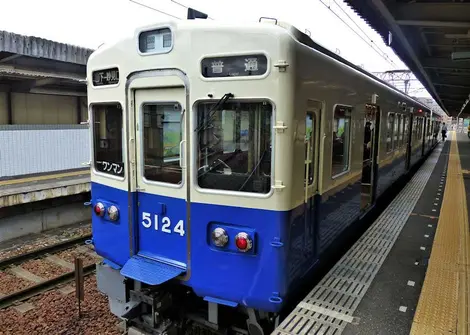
[361, 37]
[355, 23]
[154, 9]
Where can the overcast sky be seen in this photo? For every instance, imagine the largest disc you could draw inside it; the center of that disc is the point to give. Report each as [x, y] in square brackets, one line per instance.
[89, 23]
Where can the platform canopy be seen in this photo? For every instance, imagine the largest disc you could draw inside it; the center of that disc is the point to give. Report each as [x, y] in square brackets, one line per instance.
[36, 65]
[432, 37]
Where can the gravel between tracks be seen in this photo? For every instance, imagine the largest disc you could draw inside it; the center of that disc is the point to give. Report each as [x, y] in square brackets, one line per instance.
[70, 254]
[39, 241]
[44, 269]
[10, 283]
[57, 314]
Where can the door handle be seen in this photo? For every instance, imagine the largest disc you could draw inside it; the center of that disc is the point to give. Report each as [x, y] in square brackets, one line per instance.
[181, 154]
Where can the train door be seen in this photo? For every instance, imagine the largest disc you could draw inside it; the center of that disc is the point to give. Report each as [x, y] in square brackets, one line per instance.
[311, 180]
[161, 214]
[371, 135]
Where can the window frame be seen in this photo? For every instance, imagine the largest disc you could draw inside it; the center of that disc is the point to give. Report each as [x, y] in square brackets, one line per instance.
[351, 109]
[93, 135]
[195, 150]
[141, 151]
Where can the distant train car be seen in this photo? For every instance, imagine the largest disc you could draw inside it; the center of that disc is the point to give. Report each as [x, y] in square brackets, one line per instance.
[226, 160]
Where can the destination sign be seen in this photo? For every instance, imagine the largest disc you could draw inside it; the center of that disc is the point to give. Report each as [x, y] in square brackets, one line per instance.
[234, 66]
[106, 77]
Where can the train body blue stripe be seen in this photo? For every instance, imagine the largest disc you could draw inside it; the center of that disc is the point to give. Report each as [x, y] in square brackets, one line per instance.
[286, 244]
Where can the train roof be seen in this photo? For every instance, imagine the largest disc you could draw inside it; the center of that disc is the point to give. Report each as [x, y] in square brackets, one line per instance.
[276, 27]
[308, 41]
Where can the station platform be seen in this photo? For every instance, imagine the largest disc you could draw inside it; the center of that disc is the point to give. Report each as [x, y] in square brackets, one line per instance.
[45, 186]
[409, 272]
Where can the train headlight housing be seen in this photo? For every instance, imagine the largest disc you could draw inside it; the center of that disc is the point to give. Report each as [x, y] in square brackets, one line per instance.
[243, 242]
[219, 237]
[113, 213]
[99, 209]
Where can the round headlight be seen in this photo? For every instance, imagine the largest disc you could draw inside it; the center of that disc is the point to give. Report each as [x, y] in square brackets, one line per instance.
[220, 237]
[113, 213]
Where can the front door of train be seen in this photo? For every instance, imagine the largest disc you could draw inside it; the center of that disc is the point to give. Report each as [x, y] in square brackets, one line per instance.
[369, 156]
[161, 184]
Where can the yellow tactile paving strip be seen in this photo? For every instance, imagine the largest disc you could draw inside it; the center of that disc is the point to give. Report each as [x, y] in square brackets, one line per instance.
[44, 177]
[443, 303]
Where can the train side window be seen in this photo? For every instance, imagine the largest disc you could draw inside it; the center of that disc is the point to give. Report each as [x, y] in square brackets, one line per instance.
[161, 132]
[406, 121]
[310, 147]
[396, 145]
[420, 128]
[391, 118]
[418, 134]
[400, 131]
[108, 139]
[341, 139]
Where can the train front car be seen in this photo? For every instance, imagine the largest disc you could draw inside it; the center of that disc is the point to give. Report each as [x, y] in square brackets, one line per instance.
[190, 172]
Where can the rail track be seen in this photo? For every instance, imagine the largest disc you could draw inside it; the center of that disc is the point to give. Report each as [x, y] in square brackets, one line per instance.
[37, 288]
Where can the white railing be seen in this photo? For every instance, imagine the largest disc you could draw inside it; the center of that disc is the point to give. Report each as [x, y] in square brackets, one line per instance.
[31, 149]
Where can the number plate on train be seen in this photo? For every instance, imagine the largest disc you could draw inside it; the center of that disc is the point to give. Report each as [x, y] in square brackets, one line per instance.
[162, 223]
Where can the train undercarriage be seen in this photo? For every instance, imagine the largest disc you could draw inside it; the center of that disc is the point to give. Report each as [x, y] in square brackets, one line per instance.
[170, 309]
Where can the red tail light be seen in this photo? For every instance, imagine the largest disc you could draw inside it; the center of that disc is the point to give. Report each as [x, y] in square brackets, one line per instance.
[243, 242]
[99, 209]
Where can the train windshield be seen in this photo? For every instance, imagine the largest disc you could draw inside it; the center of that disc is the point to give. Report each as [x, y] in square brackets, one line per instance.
[234, 146]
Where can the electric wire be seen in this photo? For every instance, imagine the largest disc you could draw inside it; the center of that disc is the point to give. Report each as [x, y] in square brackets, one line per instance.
[355, 23]
[354, 31]
[154, 9]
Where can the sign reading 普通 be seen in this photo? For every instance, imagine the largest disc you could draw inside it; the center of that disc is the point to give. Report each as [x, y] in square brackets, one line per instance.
[234, 66]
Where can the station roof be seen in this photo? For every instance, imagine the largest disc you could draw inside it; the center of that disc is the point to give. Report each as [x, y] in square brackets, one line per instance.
[432, 37]
[37, 65]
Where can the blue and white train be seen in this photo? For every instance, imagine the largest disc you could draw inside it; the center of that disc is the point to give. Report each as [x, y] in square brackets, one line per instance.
[226, 160]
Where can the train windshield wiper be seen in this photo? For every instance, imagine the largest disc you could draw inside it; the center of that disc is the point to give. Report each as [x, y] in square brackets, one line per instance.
[213, 110]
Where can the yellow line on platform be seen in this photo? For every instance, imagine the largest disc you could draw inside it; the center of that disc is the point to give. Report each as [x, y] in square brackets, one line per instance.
[443, 303]
[44, 177]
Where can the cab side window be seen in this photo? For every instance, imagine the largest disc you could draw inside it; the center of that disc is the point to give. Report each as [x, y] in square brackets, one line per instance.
[108, 139]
